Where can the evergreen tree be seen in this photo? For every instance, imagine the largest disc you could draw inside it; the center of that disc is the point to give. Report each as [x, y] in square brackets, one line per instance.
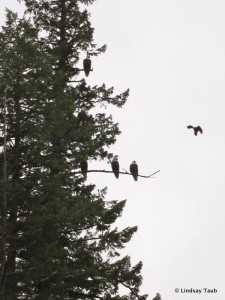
[57, 234]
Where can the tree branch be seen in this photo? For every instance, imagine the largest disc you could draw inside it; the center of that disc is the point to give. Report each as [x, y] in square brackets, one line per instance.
[75, 80]
[124, 173]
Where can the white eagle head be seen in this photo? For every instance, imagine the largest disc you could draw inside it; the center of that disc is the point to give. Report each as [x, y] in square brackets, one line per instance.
[134, 162]
[115, 158]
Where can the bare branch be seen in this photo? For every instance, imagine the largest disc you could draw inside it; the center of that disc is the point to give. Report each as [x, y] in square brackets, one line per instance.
[76, 80]
[124, 173]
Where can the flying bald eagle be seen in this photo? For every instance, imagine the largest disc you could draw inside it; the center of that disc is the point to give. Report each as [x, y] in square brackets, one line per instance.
[115, 166]
[157, 297]
[82, 116]
[196, 129]
[134, 170]
[84, 168]
[87, 66]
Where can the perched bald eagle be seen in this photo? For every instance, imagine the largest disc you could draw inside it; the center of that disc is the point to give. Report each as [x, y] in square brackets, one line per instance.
[87, 66]
[134, 170]
[115, 166]
[82, 117]
[84, 168]
[196, 129]
[157, 297]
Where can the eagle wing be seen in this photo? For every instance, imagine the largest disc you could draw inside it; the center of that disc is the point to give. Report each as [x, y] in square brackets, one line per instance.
[134, 171]
[199, 129]
[116, 168]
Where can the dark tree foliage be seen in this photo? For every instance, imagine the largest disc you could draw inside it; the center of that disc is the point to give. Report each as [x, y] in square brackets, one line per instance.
[57, 235]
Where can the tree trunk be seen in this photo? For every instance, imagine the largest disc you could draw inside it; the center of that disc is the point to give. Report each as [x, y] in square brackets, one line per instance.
[3, 229]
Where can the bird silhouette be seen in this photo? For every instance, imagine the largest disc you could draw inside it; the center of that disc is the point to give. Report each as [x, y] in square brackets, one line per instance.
[84, 168]
[82, 117]
[157, 297]
[115, 166]
[87, 66]
[196, 129]
[134, 170]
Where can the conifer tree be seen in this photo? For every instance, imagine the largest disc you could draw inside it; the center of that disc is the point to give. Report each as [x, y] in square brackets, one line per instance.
[58, 240]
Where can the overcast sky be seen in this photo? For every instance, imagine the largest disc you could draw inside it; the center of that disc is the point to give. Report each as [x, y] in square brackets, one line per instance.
[171, 54]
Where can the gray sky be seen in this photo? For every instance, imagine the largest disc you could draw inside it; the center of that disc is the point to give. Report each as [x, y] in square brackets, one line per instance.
[171, 54]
